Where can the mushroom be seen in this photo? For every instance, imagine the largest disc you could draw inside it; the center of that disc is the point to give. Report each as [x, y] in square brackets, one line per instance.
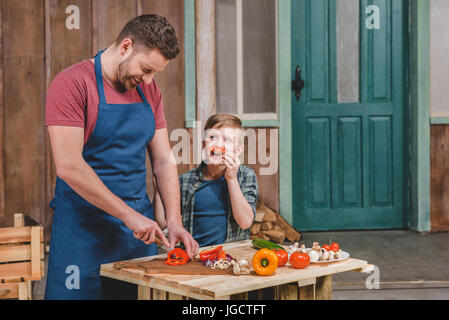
[222, 264]
[302, 249]
[331, 255]
[324, 255]
[314, 256]
[338, 254]
[316, 247]
[293, 248]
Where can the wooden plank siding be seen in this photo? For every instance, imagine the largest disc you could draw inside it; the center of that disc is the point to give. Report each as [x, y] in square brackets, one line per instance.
[2, 108]
[439, 177]
[23, 113]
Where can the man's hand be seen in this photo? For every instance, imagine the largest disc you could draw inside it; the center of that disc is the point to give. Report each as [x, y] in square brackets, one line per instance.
[177, 233]
[145, 229]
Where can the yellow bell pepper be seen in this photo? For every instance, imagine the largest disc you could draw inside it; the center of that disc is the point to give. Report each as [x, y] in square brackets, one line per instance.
[265, 262]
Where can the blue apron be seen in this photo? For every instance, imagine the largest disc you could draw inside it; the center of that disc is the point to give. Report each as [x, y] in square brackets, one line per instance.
[83, 236]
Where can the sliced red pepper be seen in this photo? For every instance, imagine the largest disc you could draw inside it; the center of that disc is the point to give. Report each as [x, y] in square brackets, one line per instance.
[205, 257]
[222, 255]
[211, 251]
[176, 257]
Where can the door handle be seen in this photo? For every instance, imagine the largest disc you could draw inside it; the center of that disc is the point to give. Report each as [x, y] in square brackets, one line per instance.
[298, 83]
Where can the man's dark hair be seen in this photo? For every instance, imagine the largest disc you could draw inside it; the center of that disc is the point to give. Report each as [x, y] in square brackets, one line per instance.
[152, 31]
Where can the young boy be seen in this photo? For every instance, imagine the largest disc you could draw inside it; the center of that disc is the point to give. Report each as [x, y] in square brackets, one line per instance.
[218, 198]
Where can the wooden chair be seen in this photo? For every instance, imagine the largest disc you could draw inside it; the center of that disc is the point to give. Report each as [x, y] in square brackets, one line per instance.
[21, 258]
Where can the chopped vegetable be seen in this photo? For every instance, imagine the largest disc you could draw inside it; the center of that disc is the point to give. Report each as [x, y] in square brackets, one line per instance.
[176, 257]
[222, 255]
[222, 264]
[265, 262]
[210, 260]
[210, 254]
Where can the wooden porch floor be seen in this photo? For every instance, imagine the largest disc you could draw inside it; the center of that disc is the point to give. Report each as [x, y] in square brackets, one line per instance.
[406, 259]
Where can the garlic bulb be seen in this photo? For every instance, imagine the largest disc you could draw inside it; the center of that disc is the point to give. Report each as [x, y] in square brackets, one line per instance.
[244, 266]
[240, 267]
[235, 268]
[243, 263]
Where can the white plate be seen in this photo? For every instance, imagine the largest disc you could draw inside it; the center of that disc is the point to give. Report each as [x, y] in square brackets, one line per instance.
[344, 255]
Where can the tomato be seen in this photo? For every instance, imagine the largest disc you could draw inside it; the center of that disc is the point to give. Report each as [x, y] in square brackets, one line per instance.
[327, 247]
[299, 260]
[335, 247]
[282, 257]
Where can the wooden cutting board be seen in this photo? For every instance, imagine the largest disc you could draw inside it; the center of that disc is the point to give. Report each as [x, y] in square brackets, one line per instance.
[157, 266]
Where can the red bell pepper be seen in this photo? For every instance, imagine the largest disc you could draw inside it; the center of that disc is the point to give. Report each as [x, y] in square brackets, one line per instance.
[210, 254]
[176, 257]
[222, 255]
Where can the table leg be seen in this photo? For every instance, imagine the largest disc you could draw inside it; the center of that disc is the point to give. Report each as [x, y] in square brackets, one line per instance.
[174, 296]
[143, 293]
[239, 296]
[322, 290]
[159, 294]
[307, 292]
[287, 291]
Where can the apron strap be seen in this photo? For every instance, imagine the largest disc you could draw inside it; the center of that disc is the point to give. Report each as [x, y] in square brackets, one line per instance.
[144, 99]
[99, 77]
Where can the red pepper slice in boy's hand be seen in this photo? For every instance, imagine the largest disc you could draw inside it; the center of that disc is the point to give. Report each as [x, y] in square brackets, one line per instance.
[217, 150]
[176, 257]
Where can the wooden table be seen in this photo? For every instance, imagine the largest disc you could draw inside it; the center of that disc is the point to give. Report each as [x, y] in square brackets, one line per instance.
[313, 282]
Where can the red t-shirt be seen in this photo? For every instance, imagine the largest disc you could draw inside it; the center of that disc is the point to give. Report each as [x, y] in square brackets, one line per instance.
[72, 99]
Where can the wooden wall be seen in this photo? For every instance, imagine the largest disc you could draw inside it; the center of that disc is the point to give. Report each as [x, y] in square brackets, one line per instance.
[35, 45]
[439, 177]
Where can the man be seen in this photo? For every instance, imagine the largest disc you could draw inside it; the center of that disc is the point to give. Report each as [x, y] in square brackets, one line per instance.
[102, 115]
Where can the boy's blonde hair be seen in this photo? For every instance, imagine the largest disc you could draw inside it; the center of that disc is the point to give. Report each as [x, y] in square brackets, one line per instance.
[223, 120]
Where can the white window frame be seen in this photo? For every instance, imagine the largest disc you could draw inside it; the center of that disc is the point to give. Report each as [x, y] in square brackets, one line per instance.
[239, 38]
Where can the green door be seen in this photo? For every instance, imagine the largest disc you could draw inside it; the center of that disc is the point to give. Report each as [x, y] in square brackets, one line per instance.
[349, 148]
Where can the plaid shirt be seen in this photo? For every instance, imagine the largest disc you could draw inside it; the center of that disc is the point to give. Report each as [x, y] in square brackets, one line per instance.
[190, 181]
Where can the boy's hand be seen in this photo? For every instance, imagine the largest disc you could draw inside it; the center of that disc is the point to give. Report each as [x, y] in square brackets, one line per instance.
[232, 163]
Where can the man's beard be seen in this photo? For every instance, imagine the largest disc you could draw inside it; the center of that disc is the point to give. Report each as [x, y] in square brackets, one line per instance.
[123, 80]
